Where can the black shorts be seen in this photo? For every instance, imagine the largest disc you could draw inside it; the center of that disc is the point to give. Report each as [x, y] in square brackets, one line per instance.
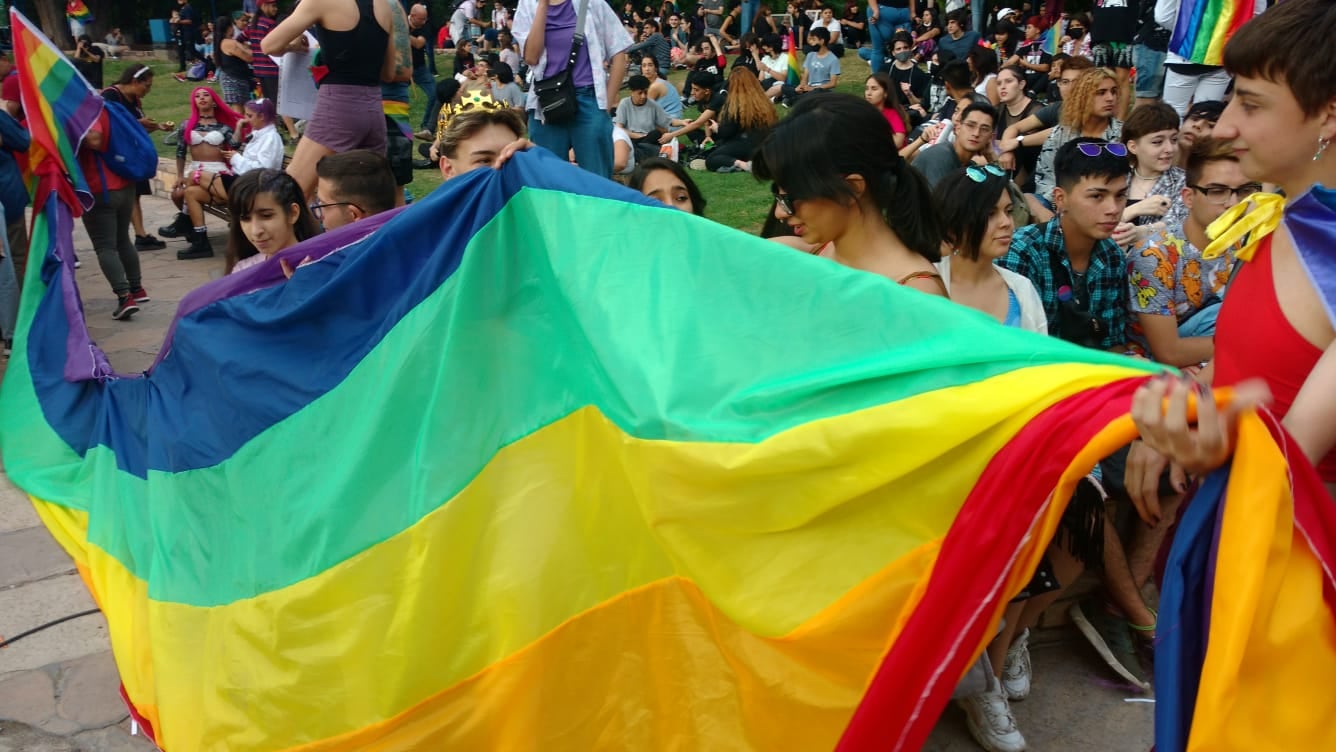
[227, 181]
[399, 150]
[143, 188]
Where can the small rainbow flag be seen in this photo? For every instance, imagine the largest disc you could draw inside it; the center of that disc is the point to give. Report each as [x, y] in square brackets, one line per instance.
[61, 108]
[397, 112]
[795, 68]
[77, 10]
[1204, 26]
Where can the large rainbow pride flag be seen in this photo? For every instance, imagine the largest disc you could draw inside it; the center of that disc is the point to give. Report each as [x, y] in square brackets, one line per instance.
[1204, 26]
[537, 463]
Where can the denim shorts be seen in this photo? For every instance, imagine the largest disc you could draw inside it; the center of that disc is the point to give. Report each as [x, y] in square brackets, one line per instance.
[1150, 71]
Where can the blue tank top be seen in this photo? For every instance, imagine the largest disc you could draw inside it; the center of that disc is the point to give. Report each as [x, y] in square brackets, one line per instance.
[671, 102]
[1013, 309]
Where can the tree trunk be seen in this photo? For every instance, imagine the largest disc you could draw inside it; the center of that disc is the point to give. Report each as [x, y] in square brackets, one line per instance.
[51, 19]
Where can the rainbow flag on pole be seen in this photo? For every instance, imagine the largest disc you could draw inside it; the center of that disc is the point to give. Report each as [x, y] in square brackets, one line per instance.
[490, 474]
[78, 10]
[795, 67]
[1203, 27]
[61, 107]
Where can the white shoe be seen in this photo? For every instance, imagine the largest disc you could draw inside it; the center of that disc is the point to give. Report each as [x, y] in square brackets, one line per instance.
[1016, 671]
[989, 719]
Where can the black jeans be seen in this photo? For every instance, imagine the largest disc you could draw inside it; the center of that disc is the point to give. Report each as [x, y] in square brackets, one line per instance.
[108, 226]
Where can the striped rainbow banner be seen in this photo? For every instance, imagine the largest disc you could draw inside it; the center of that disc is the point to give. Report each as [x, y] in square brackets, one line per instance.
[61, 107]
[538, 463]
[1203, 27]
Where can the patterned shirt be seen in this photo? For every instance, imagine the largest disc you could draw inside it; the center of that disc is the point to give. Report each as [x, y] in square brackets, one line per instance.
[1168, 277]
[263, 65]
[1039, 253]
[1170, 185]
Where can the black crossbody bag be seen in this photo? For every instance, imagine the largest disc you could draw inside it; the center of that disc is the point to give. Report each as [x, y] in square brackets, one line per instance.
[556, 94]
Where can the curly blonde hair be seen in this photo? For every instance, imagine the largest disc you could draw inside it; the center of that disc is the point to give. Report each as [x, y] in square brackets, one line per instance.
[1080, 99]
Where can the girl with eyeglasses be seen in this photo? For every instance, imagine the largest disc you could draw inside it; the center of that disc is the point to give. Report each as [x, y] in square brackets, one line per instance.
[269, 214]
[852, 199]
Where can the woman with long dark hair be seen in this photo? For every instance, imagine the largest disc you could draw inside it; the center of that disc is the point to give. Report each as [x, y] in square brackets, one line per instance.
[269, 214]
[881, 92]
[232, 59]
[851, 199]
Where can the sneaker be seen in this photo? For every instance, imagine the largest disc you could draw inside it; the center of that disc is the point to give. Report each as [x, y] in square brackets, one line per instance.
[989, 719]
[728, 169]
[1111, 638]
[425, 135]
[140, 295]
[179, 77]
[77, 262]
[125, 308]
[1016, 670]
[148, 243]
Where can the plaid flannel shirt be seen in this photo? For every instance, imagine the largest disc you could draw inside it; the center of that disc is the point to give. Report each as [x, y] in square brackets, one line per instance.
[1032, 250]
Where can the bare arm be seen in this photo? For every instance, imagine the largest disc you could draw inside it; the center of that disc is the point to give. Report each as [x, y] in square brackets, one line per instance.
[533, 43]
[616, 72]
[238, 49]
[1167, 347]
[304, 16]
[1312, 418]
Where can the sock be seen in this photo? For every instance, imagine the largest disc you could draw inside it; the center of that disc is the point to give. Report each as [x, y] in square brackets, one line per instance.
[201, 229]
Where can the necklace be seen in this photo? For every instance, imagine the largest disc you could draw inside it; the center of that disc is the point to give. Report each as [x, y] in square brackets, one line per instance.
[1144, 177]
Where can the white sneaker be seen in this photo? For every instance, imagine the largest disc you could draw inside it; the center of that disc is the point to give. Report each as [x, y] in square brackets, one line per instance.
[989, 719]
[1016, 671]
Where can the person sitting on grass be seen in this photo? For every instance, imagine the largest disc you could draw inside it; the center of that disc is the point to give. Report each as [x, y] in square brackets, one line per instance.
[665, 181]
[710, 99]
[644, 120]
[746, 118]
[821, 69]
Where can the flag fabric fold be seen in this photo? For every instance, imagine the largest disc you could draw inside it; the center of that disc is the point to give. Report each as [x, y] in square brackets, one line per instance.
[1203, 27]
[535, 462]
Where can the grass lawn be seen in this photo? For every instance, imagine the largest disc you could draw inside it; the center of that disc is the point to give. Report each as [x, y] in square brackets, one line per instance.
[735, 199]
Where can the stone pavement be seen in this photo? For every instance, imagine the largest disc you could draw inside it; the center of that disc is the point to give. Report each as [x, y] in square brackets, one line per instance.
[59, 688]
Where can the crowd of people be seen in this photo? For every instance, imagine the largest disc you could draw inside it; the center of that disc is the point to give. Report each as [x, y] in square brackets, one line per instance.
[1057, 193]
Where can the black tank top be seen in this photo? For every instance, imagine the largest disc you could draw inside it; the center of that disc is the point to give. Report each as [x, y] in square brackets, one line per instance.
[233, 65]
[354, 57]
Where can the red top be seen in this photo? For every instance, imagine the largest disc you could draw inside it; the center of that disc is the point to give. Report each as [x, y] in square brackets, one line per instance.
[893, 117]
[1253, 339]
[94, 169]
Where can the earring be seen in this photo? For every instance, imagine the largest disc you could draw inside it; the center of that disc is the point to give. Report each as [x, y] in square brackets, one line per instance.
[1322, 144]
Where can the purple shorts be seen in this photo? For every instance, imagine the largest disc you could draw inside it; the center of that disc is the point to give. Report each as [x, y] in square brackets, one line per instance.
[348, 117]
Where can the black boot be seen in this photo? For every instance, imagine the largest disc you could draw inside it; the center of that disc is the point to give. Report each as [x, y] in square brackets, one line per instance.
[180, 227]
[199, 246]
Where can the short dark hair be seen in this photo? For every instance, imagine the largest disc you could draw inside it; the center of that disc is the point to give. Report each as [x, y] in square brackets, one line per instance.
[361, 176]
[643, 168]
[503, 73]
[1281, 46]
[637, 83]
[965, 206]
[960, 16]
[956, 74]
[986, 109]
[1077, 63]
[1206, 151]
[1070, 165]
[705, 80]
[901, 36]
[1148, 119]
[136, 72]
[820, 34]
[773, 42]
[650, 22]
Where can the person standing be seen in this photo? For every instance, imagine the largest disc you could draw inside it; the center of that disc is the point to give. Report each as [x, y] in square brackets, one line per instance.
[187, 29]
[1114, 27]
[264, 67]
[419, 42]
[884, 18]
[14, 140]
[108, 223]
[545, 30]
[356, 47]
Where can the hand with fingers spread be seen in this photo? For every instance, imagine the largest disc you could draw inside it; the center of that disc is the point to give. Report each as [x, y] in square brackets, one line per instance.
[1160, 409]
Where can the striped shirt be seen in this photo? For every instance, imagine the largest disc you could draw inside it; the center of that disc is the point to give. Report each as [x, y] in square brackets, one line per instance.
[262, 65]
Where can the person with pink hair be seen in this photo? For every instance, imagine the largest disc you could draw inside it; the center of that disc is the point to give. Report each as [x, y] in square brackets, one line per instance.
[211, 127]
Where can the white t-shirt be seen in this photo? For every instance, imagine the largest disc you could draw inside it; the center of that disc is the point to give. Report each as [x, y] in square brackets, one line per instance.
[779, 62]
[619, 134]
[833, 27]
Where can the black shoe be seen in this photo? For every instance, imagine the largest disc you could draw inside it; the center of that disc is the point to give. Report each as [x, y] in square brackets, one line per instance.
[423, 164]
[179, 228]
[148, 243]
[425, 150]
[125, 308]
[199, 246]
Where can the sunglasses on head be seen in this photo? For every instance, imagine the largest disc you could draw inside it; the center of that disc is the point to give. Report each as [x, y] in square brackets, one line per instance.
[1092, 149]
[980, 174]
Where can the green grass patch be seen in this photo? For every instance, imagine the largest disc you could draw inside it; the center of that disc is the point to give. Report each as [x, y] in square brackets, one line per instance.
[736, 199]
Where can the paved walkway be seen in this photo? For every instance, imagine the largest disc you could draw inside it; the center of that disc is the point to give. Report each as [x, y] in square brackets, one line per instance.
[58, 688]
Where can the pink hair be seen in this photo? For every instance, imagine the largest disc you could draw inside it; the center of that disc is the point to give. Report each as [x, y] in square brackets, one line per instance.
[225, 115]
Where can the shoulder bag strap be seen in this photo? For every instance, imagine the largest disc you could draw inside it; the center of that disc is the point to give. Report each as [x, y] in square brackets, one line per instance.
[577, 41]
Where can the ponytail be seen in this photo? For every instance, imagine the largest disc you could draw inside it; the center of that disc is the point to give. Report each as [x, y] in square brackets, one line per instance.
[906, 201]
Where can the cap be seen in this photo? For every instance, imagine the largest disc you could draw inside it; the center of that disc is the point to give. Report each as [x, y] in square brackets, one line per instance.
[9, 89]
[1001, 14]
[1209, 110]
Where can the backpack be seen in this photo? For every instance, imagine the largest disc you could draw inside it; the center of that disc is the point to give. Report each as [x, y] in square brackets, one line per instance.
[130, 152]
